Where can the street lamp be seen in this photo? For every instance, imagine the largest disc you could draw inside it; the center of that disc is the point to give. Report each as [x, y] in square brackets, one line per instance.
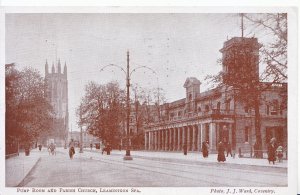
[128, 76]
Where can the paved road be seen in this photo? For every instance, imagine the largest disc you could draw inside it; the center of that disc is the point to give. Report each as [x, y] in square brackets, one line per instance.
[95, 170]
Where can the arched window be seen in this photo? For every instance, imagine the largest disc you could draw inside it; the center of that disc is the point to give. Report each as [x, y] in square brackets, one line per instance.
[227, 104]
[274, 107]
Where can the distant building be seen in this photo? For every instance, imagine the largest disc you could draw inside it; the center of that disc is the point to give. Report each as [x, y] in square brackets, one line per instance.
[87, 138]
[56, 91]
[216, 115]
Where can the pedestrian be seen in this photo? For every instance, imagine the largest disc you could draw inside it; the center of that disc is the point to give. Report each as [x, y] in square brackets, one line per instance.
[184, 149]
[52, 148]
[255, 147]
[40, 147]
[228, 149]
[272, 151]
[108, 149]
[205, 149]
[71, 149]
[91, 145]
[279, 153]
[27, 149]
[221, 150]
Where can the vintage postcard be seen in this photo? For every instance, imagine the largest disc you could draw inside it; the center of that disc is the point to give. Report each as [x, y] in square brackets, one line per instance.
[149, 100]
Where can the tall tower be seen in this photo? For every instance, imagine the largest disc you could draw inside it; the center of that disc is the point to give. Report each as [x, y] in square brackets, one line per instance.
[192, 86]
[240, 60]
[56, 92]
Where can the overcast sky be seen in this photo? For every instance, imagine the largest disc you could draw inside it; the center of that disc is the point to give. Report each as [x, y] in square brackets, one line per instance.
[176, 46]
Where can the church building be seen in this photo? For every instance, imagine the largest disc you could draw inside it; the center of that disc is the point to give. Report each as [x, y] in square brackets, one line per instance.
[56, 91]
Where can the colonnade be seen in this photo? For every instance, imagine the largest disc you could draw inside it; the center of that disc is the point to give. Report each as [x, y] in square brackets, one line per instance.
[174, 138]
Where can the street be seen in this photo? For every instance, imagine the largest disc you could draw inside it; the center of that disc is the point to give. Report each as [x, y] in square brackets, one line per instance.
[91, 169]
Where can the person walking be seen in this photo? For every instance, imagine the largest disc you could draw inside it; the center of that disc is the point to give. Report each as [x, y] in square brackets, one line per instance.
[205, 147]
[279, 153]
[255, 147]
[221, 150]
[52, 148]
[228, 149]
[108, 149]
[185, 149]
[71, 149]
[272, 151]
[40, 147]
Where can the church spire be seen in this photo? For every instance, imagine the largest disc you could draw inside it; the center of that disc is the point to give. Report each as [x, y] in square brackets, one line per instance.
[46, 68]
[65, 69]
[53, 69]
[58, 67]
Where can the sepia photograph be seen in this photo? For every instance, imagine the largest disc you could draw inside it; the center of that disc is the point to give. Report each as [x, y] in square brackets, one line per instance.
[118, 102]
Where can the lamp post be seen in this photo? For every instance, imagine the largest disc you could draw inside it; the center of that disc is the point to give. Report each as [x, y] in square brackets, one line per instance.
[127, 155]
[128, 76]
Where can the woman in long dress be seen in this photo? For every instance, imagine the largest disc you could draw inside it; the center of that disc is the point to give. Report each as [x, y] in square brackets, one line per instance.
[204, 149]
[221, 150]
[272, 151]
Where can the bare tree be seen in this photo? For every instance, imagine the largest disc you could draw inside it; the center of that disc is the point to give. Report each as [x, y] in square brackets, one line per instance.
[274, 51]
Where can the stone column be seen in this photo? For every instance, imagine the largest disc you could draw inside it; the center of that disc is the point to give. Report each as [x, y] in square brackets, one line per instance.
[170, 139]
[145, 140]
[202, 133]
[155, 140]
[199, 137]
[166, 140]
[174, 139]
[188, 135]
[150, 140]
[194, 146]
[159, 140]
[212, 136]
[162, 139]
[183, 137]
[178, 138]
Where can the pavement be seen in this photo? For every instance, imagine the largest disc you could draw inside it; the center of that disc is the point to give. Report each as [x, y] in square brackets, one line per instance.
[197, 157]
[17, 168]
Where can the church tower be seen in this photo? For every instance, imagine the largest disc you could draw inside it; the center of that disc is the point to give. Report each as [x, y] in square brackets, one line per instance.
[192, 88]
[240, 60]
[56, 92]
